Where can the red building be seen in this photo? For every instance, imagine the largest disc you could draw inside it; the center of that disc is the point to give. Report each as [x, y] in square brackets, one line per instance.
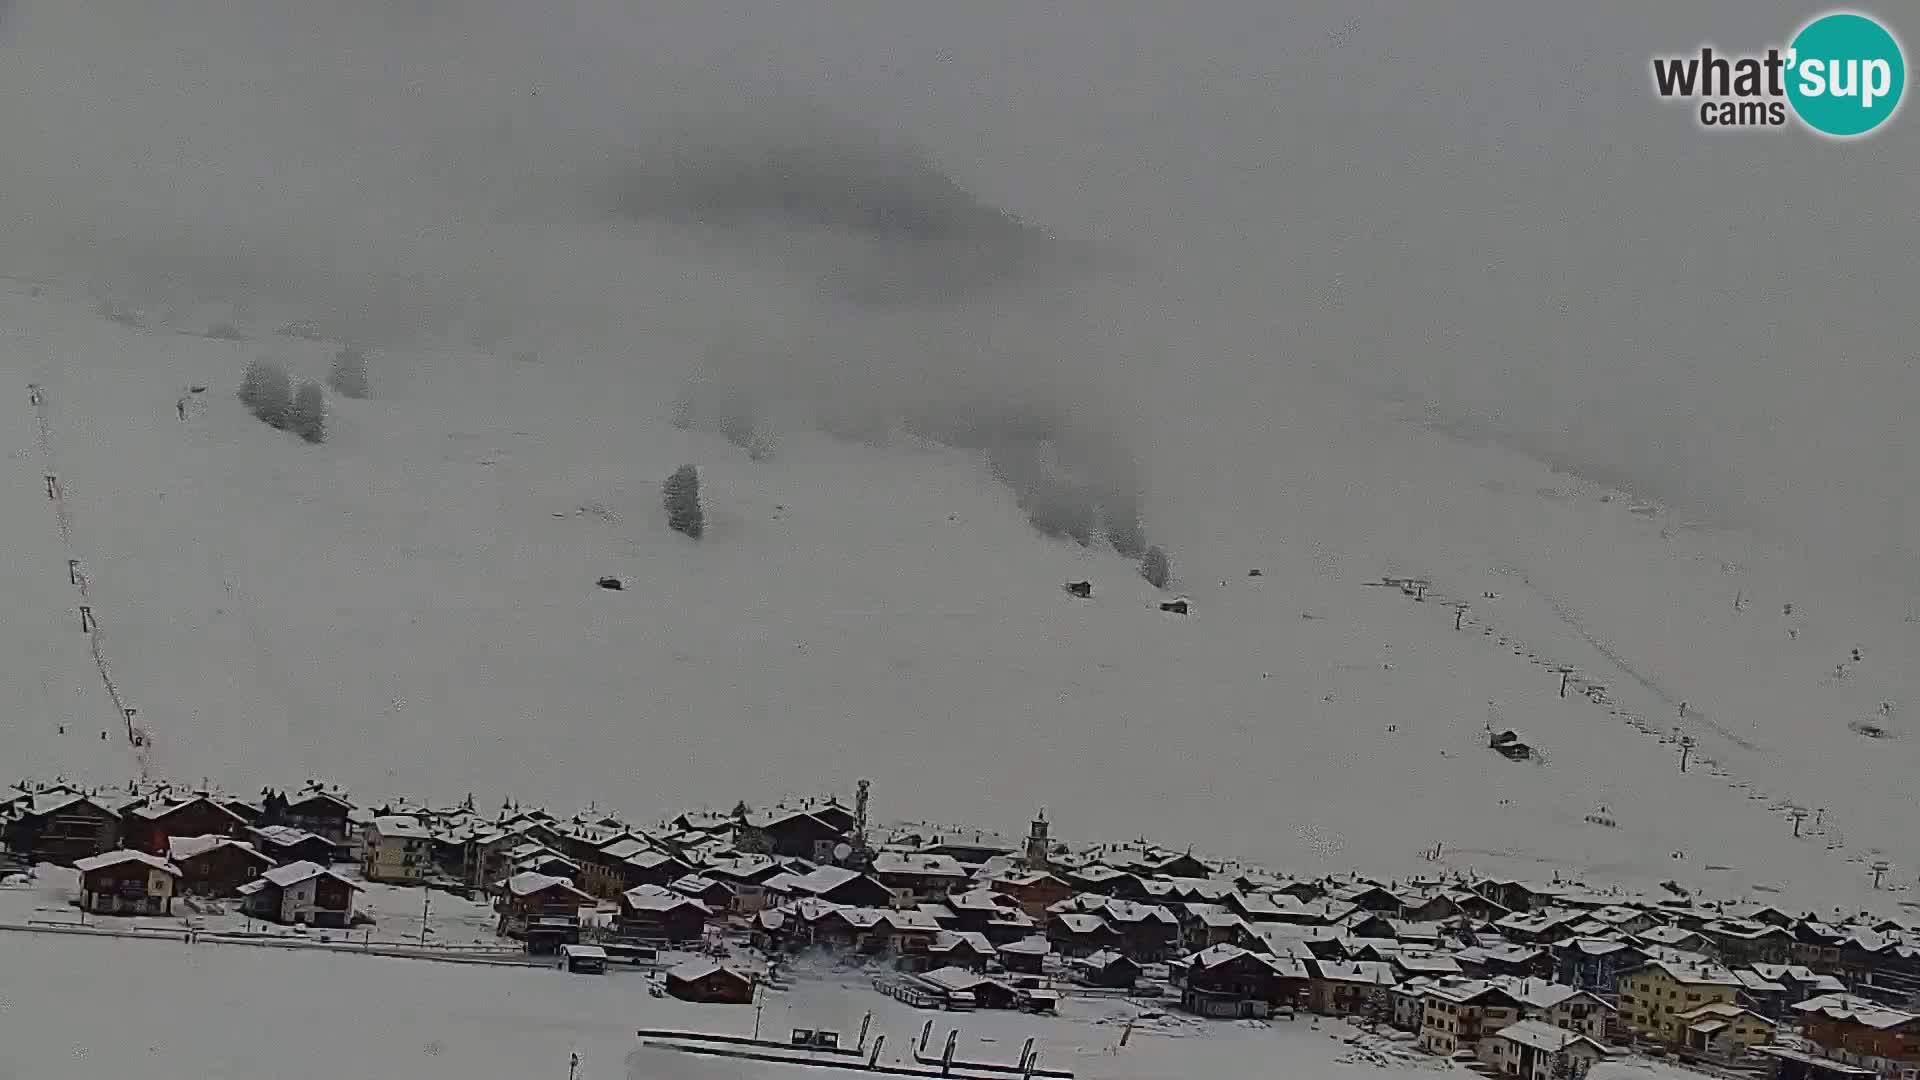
[58, 827]
[711, 983]
[149, 828]
[215, 865]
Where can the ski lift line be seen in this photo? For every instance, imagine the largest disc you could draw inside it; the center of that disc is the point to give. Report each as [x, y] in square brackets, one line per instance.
[1594, 691]
[57, 491]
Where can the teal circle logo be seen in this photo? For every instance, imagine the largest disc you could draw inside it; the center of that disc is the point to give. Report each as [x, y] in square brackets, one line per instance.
[1847, 74]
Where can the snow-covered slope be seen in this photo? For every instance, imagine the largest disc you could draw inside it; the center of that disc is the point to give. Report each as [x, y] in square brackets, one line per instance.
[411, 608]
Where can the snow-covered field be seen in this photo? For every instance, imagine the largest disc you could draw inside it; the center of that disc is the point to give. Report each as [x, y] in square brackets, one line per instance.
[172, 1011]
[411, 609]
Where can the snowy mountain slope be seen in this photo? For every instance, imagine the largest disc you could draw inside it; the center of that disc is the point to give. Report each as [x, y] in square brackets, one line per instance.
[410, 608]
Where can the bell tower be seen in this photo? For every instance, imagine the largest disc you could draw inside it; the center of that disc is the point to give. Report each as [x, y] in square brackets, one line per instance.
[1037, 843]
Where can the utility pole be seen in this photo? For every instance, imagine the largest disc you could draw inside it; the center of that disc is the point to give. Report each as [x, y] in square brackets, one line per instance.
[1686, 751]
[426, 908]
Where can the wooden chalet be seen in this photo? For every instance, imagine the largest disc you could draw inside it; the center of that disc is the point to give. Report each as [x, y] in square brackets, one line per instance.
[60, 827]
[541, 910]
[321, 812]
[286, 844]
[1034, 890]
[127, 883]
[709, 983]
[1107, 969]
[149, 828]
[215, 865]
[1227, 981]
[654, 912]
[301, 894]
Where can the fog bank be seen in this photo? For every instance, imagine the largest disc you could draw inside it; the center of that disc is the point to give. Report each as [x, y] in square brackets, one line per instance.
[1144, 221]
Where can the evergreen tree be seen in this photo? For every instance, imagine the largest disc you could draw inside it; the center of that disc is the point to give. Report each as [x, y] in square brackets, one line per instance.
[1156, 567]
[681, 495]
[267, 392]
[349, 375]
[308, 415]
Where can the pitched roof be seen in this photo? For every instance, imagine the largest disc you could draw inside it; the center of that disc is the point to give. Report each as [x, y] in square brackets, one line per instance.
[700, 968]
[1858, 1010]
[1034, 945]
[890, 862]
[1686, 973]
[398, 825]
[529, 883]
[154, 812]
[1546, 1037]
[117, 858]
[296, 872]
[654, 898]
[186, 847]
[624, 848]
[1370, 972]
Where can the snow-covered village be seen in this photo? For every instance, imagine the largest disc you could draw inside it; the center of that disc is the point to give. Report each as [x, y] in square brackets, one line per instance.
[1093, 945]
[1097, 540]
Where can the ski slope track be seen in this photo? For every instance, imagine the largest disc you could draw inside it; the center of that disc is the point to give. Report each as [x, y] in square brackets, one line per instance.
[410, 609]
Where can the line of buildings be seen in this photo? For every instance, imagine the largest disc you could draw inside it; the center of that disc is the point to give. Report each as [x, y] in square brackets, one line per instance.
[1508, 977]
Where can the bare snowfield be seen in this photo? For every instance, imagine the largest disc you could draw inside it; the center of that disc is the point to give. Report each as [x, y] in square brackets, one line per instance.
[207, 1012]
[411, 609]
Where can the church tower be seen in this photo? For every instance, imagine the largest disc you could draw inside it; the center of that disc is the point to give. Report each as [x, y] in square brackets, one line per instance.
[1038, 845]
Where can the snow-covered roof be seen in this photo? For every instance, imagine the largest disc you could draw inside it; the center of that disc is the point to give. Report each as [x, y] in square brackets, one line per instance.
[700, 968]
[1370, 972]
[888, 862]
[980, 900]
[654, 898]
[294, 873]
[1666, 935]
[947, 940]
[186, 847]
[401, 827]
[1427, 963]
[1755, 983]
[284, 835]
[1797, 973]
[1720, 1010]
[529, 883]
[958, 980]
[1858, 1010]
[1104, 958]
[1686, 973]
[823, 880]
[624, 848]
[44, 803]
[1543, 1036]
[1284, 907]
[158, 810]
[585, 952]
[1023, 878]
[121, 857]
[1081, 923]
[1035, 945]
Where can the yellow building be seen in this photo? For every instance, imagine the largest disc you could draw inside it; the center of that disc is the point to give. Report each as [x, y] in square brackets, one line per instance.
[1725, 1031]
[1656, 996]
[399, 850]
[1461, 1015]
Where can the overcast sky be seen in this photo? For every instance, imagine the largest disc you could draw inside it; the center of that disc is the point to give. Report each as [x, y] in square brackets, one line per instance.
[1476, 205]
